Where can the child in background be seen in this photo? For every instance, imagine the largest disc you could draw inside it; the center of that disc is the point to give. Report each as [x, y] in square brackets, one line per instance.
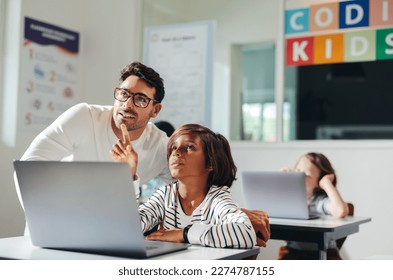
[198, 208]
[323, 198]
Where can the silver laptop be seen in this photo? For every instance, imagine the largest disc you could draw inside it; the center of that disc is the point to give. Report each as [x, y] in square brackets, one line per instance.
[280, 194]
[85, 206]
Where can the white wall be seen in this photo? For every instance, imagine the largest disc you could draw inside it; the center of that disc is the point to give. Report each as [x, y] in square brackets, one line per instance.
[238, 23]
[107, 44]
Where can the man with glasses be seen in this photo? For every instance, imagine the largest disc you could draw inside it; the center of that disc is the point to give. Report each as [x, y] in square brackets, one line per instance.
[95, 133]
[91, 132]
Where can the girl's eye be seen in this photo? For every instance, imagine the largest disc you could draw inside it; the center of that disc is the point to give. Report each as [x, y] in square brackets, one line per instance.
[190, 147]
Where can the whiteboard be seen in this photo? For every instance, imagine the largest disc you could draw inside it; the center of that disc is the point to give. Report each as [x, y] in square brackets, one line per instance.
[183, 55]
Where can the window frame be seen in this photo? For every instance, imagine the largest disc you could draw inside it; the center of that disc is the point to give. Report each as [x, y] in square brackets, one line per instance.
[2, 40]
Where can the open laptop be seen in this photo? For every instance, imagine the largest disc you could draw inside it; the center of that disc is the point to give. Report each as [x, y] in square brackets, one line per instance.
[85, 206]
[280, 194]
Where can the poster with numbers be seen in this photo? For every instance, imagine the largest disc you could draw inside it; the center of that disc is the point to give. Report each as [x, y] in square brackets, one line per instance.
[183, 55]
[48, 79]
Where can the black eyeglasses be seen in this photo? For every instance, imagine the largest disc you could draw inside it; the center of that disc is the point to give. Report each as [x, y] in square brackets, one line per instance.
[139, 99]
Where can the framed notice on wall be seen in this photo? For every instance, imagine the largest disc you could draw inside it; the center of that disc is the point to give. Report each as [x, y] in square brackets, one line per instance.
[48, 78]
[183, 55]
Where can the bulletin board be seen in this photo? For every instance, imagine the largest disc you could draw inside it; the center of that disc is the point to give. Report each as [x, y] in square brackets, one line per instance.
[183, 55]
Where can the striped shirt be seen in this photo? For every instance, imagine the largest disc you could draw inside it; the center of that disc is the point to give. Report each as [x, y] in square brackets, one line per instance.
[217, 222]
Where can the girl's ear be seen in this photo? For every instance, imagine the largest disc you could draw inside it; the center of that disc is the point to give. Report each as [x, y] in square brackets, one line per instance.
[210, 168]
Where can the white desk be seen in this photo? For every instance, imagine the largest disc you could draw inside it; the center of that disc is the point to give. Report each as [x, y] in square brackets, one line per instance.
[320, 231]
[20, 248]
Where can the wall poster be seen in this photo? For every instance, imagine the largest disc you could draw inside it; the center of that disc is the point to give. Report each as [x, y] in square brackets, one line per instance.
[48, 79]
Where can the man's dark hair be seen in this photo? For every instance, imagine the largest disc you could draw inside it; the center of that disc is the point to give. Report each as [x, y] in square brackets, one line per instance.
[148, 75]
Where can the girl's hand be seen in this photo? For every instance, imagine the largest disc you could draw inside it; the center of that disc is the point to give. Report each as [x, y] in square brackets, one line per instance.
[123, 151]
[171, 235]
[261, 225]
[286, 169]
[326, 181]
[337, 206]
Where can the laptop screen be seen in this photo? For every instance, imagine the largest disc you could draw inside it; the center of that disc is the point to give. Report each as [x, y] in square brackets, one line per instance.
[280, 194]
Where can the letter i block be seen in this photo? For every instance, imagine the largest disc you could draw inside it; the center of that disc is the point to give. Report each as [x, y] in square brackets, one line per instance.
[300, 51]
[329, 48]
[381, 13]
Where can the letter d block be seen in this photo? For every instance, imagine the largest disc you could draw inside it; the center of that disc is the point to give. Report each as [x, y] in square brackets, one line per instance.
[359, 46]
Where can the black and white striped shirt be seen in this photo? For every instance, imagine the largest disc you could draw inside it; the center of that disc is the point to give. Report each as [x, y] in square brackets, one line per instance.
[217, 222]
